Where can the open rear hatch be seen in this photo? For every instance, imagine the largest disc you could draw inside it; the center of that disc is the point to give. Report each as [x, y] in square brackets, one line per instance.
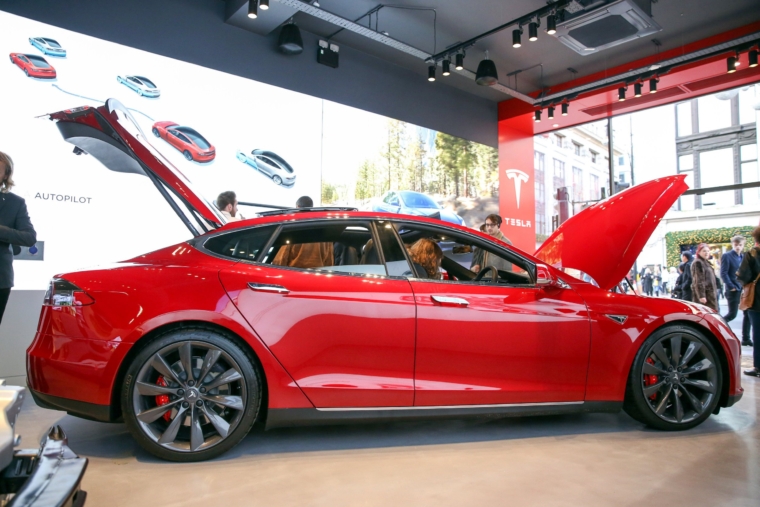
[110, 134]
[605, 239]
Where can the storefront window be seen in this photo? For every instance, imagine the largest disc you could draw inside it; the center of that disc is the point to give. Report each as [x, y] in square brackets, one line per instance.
[716, 168]
[683, 115]
[748, 97]
[713, 113]
[750, 173]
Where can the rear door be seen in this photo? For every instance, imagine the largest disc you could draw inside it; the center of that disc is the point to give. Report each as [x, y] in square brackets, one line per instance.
[345, 333]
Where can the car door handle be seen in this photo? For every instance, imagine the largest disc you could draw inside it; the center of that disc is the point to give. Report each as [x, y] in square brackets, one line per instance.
[267, 287]
[450, 301]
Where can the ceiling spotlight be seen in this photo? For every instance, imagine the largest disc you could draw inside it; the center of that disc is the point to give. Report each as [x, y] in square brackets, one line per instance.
[290, 41]
[516, 38]
[446, 64]
[431, 73]
[253, 8]
[731, 64]
[486, 74]
[637, 90]
[621, 94]
[551, 113]
[264, 4]
[551, 24]
[753, 58]
[533, 32]
[537, 116]
[653, 85]
[315, 3]
[459, 61]
[564, 109]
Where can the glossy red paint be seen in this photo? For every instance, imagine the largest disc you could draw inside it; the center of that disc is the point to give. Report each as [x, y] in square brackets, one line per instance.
[497, 347]
[620, 241]
[348, 341]
[172, 134]
[33, 65]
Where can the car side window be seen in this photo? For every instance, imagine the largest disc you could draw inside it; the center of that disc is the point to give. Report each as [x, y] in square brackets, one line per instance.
[452, 256]
[396, 261]
[183, 138]
[336, 246]
[393, 200]
[244, 244]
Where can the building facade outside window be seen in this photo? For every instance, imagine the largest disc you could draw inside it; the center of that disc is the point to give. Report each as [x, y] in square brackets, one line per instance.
[540, 189]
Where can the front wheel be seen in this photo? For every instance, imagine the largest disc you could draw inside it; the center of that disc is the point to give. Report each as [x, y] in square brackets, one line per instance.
[155, 132]
[191, 395]
[676, 378]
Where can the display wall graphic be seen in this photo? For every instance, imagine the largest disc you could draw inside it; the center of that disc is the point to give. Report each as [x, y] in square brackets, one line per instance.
[223, 132]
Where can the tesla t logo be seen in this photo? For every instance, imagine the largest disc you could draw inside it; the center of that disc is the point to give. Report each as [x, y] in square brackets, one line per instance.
[520, 178]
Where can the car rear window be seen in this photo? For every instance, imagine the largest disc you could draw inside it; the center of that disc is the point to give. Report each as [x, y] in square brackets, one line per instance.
[146, 81]
[245, 244]
[38, 62]
[195, 136]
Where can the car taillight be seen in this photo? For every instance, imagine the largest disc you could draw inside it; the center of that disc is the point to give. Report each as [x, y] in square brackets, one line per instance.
[64, 293]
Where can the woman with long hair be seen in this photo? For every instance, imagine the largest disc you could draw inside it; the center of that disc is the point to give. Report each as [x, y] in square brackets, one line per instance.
[15, 228]
[429, 255]
[703, 287]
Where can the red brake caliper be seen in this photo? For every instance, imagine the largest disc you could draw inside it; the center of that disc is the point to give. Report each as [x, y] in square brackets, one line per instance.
[649, 380]
[163, 399]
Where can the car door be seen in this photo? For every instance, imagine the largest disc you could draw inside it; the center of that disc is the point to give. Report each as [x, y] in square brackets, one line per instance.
[481, 342]
[344, 333]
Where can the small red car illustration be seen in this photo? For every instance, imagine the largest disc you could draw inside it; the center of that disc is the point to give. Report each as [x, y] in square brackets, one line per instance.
[33, 66]
[192, 145]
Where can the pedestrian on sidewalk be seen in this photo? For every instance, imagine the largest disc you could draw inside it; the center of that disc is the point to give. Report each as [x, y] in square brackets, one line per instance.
[729, 264]
[703, 287]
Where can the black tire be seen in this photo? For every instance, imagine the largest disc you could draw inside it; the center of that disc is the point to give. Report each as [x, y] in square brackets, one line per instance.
[155, 132]
[188, 155]
[669, 397]
[205, 416]
[26, 72]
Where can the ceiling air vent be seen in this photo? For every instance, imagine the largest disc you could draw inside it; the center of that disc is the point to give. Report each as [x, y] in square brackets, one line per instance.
[590, 26]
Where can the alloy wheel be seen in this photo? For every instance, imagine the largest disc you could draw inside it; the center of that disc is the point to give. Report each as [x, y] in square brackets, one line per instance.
[679, 378]
[277, 180]
[189, 396]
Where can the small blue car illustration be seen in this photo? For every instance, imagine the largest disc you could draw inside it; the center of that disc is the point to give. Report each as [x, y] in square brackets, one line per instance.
[270, 164]
[141, 85]
[48, 46]
[406, 202]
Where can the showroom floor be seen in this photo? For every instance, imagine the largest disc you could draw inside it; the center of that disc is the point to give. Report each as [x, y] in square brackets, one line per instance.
[589, 460]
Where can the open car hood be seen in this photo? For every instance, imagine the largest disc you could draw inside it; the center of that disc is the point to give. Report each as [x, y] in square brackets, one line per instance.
[605, 239]
[110, 134]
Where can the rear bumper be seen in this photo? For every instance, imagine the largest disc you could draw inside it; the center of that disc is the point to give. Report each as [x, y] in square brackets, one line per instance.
[91, 411]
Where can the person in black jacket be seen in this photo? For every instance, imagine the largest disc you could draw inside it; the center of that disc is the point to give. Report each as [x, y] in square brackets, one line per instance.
[687, 259]
[15, 228]
[749, 270]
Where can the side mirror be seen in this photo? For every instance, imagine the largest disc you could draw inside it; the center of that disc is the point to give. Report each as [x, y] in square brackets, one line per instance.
[544, 277]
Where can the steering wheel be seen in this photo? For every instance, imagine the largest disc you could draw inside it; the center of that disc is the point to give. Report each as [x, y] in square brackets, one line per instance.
[494, 274]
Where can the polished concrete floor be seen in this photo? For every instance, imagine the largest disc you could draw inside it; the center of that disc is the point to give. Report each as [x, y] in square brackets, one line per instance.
[588, 460]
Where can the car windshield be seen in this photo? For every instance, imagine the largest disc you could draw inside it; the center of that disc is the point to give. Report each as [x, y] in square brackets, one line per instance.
[38, 61]
[146, 81]
[417, 200]
[195, 136]
[52, 43]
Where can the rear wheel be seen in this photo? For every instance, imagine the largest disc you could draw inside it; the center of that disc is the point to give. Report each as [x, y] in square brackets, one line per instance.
[675, 381]
[191, 395]
[277, 180]
[188, 155]
[26, 72]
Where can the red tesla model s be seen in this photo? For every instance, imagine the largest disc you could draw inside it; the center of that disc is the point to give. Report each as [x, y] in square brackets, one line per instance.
[33, 65]
[192, 145]
[323, 316]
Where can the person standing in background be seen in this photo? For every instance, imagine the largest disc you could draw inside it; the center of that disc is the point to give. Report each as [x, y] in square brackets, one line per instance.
[686, 295]
[729, 265]
[227, 203]
[703, 287]
[15, 228]
[749, 269]
[493, 224]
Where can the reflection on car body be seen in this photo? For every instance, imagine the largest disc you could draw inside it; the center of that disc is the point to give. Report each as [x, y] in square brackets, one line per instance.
[48, 46]
[33, 66]
[270, 164]
[140, 85]
[407, 202]
[209, 330]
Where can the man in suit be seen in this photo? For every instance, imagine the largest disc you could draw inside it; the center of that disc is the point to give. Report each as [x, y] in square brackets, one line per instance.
[15, 228]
